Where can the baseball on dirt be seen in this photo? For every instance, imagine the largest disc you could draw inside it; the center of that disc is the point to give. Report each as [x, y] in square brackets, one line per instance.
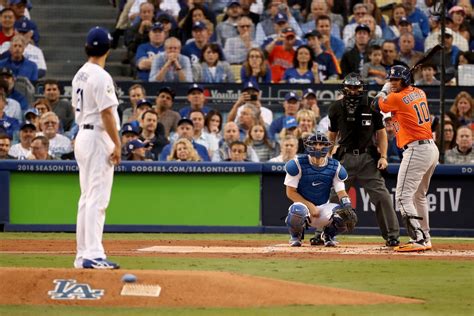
[129, 278]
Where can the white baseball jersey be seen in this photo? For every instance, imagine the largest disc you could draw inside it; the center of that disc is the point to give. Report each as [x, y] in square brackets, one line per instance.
[93, 92]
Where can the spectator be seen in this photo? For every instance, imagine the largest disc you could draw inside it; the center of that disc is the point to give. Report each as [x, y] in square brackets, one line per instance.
[305, 69]
[42, 106]
[61, 107]
[408, 54]
[250, 94]
[196, 99]
[399, 24]
[375, 32]
[136, 151]
[291, 105]
[255, 68]
[416, 16]
[405, 27]
[198, 13]
[19, 8]
[226, 29]
[5, 144]
[373, 71]
[7, 21]
[6, 75]
[434, 37]
[164, 105]
[280, 23]
[137, 33]
[360, 10]
[193, 49]
[9, 124]
[306, 125]
[390, 55]
[32, 115]
[354, 59]
[288, 149]
[183, 150]
[171, 66]
[327, 62]
[449, 136]
[152, 134]
[258, 139]
[462, 108]
[58, 144]
[20, 65]
[169, 24]
[321, 8]
[40, 149]
[248, 117]
[246, 4]
[127, 134]
[428, 78]
[129, 111]
[213, 124]
[212, 67]
[237, 48]
[200, 135]
[458, 15]
[231, 134]
[12, 107]
[238, 151]
[310, 102]
[330, 43]
[186, 130]
[290, 128]
[462, 154]
[146, 52]
[281, 56]
[22, 150]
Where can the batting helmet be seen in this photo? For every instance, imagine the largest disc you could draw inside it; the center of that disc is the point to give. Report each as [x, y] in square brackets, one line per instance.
[400, 72]
[312, 140]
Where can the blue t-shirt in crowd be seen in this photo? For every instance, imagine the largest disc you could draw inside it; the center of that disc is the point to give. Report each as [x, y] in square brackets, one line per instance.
[146, 50]
[293, 76]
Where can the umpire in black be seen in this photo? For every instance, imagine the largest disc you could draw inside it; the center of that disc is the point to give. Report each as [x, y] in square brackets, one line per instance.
[355, 126]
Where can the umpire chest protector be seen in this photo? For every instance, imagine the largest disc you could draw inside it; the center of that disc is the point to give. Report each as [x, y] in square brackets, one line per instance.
[316, 182]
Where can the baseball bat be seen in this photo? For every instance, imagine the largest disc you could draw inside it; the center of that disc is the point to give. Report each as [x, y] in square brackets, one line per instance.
[429, 54]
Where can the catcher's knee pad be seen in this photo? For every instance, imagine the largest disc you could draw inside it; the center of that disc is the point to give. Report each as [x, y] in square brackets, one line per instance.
[413, 227]
[297, 217]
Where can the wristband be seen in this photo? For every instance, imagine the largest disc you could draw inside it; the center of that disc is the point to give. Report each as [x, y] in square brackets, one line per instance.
[346, 201]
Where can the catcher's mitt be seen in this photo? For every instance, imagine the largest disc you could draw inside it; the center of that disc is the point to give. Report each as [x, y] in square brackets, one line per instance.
[344, 219]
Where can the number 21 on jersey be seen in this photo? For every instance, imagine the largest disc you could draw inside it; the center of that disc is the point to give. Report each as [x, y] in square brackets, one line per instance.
[80, 97]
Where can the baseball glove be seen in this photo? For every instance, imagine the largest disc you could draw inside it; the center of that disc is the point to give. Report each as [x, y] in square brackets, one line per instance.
[344, 219]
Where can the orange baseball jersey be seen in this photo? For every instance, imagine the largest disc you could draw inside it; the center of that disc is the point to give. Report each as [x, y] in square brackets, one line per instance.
[410, 115]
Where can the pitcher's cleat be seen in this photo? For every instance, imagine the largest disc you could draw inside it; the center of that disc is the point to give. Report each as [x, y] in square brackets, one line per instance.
[100, 264]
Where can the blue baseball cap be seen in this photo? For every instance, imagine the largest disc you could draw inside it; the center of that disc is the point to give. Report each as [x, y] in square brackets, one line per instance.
[157, 26]
[292, 96]
[362, 27]
[290, 122]
[134, 144]
[195, 86]
[98, 37]
[251, 85]
[198, 25]
[14, 2]
[308, 92]
[404, 20]
[129, 128]
[280, 17]
[33, 111]
[28, 124]
[142, 102]
[23, 25]
[231, 3]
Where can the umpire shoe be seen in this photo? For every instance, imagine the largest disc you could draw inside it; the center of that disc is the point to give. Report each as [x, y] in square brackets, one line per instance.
[392, 242]
[329, 241]
[100, 264]
[412, 246]
[317, 240]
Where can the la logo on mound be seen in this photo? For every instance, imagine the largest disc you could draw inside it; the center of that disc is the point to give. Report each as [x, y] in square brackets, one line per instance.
[70, 290]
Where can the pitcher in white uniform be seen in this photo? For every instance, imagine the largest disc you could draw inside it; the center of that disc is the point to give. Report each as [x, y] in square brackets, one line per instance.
[97, 148]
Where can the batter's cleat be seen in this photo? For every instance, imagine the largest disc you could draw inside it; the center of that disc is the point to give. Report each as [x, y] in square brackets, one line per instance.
[100, 264]
[295, 242]
[392, 242]
[317, 240]
[428, 245]
[412, 247]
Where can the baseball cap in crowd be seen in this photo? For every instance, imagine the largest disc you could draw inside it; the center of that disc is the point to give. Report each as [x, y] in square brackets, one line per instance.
[143, 102]
[292, 96]
[448, 32]
[167, 90]
[6, 71]
[134, 144]
[251, 85]
[199, 25]
[280, 17]
[23, 25]
[30, 112]
[98, 37]
[195, 86]
[362, 27]
[313, 33]
[14, 2]
[288, 31]
[290, 122]
[27, 124]
[129, 128]
[404, 20]
[231, 3]
[457, 8]
[157, 26]
[185, 121]
[308, 92]
[165, 18]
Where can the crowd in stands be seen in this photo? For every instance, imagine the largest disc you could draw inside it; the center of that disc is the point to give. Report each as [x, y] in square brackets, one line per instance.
[248, 42]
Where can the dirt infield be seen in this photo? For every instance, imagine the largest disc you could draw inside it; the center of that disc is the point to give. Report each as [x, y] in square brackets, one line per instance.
[178, 289]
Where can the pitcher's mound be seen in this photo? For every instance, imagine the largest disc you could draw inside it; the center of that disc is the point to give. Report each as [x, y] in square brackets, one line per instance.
[178, 289]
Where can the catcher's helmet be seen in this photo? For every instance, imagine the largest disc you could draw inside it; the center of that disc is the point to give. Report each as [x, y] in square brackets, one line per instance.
[400, 72]
[318, 138]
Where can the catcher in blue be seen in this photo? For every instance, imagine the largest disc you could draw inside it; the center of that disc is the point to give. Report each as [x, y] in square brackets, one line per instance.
[309, 179]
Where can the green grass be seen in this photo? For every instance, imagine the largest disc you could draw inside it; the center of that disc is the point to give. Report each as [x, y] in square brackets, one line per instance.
[447, 287]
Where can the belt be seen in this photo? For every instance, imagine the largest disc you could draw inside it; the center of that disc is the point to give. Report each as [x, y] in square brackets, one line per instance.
[355, 152]
[419, 142]
[88, 126]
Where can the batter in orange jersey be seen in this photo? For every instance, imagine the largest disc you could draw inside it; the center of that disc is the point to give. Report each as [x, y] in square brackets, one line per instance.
[413, 126]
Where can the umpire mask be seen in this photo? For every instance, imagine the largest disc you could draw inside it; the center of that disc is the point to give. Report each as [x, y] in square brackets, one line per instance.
[353, 91]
